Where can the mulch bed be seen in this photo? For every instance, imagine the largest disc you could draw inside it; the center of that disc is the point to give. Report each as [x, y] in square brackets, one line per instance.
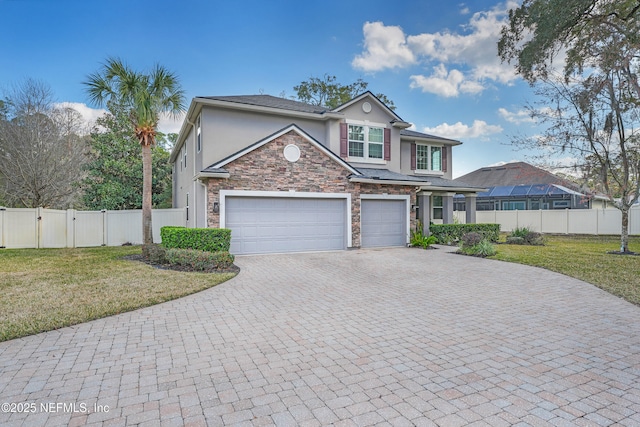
[139, 258]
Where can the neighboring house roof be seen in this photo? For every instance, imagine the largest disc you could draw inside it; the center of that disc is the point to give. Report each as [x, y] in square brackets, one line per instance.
[412, 134]
[518, 173]
[218, 166]
[537, 190]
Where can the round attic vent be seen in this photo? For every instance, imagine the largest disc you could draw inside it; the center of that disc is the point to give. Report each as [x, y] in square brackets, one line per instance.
[292, 153]
[366, 107]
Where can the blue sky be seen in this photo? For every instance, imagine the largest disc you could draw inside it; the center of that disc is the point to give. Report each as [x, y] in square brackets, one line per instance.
[436, 60]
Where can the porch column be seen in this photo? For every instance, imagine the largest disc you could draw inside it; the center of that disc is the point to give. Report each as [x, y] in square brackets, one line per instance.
[424, 210]
[470, 207]
[447, 208]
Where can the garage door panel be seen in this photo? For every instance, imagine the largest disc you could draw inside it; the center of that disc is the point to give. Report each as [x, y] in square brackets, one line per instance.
[383, 222]
[263, 225]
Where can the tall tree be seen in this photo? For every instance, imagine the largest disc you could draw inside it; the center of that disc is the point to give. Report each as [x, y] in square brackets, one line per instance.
[538, 30]
[42, 149]
[327, 92]
[145, 96]
[595, 121]
[597, 99]
[114, 169]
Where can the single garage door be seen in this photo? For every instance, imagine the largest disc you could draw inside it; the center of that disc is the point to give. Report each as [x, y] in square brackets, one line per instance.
[383, 222]
[280, 224]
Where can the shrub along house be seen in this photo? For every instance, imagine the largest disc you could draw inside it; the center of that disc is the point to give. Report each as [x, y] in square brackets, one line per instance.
[287, 176]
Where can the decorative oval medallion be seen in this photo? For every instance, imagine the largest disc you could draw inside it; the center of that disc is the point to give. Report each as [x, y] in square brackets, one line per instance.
[366, 107]
[292, 153]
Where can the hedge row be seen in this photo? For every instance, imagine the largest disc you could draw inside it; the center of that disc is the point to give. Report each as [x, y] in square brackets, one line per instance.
[202, 239]
[448, 234]
[199, 260]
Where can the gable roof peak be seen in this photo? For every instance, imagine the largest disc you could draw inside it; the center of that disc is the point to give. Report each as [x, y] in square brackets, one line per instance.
[368, 94]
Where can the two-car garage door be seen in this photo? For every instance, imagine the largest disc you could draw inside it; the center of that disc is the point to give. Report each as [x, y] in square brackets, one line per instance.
[286, 224]
[302, 224]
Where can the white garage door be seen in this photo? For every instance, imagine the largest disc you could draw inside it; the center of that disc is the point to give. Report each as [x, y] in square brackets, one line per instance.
[383, 222]
[279, 224]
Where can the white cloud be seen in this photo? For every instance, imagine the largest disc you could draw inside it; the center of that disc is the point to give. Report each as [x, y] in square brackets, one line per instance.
[479, 129]
[518, 117]
[385, 47]
[474, 50]
[445, 83]
[166, 124]
[169, 124]
[502, 163]
[89, 115]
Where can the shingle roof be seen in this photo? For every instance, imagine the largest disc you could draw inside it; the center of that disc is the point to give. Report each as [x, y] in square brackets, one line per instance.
[385, 174]
[518, 173]
[434, 181]
[414, 134]
[528, 190]
[270, 101]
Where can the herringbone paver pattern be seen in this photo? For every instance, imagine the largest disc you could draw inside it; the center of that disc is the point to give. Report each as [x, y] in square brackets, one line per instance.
[387, 337]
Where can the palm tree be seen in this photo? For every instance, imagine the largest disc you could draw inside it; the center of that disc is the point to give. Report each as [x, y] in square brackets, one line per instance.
[145, 96]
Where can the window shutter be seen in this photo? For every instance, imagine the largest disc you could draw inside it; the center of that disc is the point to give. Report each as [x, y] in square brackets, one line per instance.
[387, 144]
[344, 149]
[445, 150]
[413, 156]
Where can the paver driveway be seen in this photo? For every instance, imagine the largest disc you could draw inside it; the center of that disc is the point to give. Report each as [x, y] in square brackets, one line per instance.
[387, 337]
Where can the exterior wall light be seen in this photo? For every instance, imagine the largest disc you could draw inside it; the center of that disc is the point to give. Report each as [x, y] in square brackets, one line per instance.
[216, 207]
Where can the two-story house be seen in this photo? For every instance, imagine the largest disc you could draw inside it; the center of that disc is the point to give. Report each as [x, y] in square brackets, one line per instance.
[287, 176]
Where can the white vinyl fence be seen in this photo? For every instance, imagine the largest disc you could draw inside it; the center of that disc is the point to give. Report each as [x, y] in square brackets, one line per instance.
[567, 221]
[50, 228]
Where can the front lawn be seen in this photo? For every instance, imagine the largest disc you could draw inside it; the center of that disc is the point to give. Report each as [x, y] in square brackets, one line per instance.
[46, 289]
[585, 258]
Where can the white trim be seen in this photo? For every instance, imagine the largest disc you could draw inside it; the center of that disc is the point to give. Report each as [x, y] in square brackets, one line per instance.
[205, 204]
[202, 175]
[367, 94]
[366, 123]
[429, 159]
[428, 172]
[389, 182]
[223, 194]
[406, 198]
[270, 138]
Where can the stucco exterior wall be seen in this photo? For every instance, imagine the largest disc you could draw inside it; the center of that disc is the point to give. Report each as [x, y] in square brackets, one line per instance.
[227, 131]
[313, 172]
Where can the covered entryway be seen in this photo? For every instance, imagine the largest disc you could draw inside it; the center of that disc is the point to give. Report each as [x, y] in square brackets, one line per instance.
[384, 221]
[285, 224]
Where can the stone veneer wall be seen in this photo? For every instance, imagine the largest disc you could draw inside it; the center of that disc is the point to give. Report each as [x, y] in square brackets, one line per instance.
[313, 172]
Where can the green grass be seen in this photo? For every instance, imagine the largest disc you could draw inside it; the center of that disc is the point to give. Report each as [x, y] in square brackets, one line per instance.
[585, 258]
[46, 289]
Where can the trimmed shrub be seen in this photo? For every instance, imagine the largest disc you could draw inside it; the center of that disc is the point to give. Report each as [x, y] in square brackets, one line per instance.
[418, 239]
[155, 253]
[524, 236]
[477, 245]
[200, 260]
[451, 234]
[515, 240]
[203, 239]
[472, 239]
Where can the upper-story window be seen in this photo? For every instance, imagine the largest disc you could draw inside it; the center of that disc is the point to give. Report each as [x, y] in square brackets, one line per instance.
[199, 135]
[428, 158]
[366, 142]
